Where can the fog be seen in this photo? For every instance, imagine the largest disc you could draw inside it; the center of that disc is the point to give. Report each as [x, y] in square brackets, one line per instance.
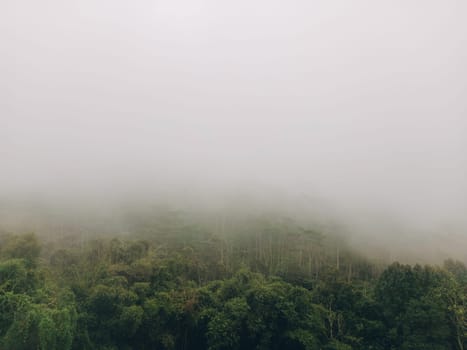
[356, 108]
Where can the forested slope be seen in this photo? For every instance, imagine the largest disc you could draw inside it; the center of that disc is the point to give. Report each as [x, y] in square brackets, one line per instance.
[270, 284]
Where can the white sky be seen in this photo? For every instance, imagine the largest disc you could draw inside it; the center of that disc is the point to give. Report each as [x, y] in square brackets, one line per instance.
[361, 102]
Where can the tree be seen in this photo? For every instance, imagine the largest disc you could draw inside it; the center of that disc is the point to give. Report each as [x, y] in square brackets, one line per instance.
[22, 247]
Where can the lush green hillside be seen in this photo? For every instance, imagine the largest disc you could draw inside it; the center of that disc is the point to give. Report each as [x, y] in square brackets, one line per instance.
[263, 284]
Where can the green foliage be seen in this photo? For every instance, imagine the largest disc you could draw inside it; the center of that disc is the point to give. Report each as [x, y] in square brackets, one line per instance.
[22, 333]
[22, 247]
[274, 286]
[38, 326]
[130, 319]
[14, 276]
[419, 306]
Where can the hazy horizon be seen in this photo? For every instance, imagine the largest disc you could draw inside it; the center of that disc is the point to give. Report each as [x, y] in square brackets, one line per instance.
[357, 105]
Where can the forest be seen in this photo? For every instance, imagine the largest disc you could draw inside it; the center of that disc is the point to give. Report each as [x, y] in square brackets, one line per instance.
[233, 175]
[265, 282]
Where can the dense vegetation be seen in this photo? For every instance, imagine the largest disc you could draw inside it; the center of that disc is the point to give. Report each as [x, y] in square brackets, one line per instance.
[263, 284]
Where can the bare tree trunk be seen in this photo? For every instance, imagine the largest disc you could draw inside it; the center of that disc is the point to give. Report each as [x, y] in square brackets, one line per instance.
[300, 258]
[349, 275]
[337, 259]
[309, 262]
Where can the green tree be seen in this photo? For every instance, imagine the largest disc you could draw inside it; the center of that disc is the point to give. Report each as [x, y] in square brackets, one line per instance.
[25, 247]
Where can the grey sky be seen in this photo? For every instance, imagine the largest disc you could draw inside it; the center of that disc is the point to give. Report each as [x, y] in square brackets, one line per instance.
[360, 102]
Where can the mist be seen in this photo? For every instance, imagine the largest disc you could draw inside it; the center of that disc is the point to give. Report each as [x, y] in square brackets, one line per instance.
[352, 110]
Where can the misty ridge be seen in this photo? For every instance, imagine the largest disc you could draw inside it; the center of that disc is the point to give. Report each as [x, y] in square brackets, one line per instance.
[356, 106]
[233, 175]
[376, 235]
